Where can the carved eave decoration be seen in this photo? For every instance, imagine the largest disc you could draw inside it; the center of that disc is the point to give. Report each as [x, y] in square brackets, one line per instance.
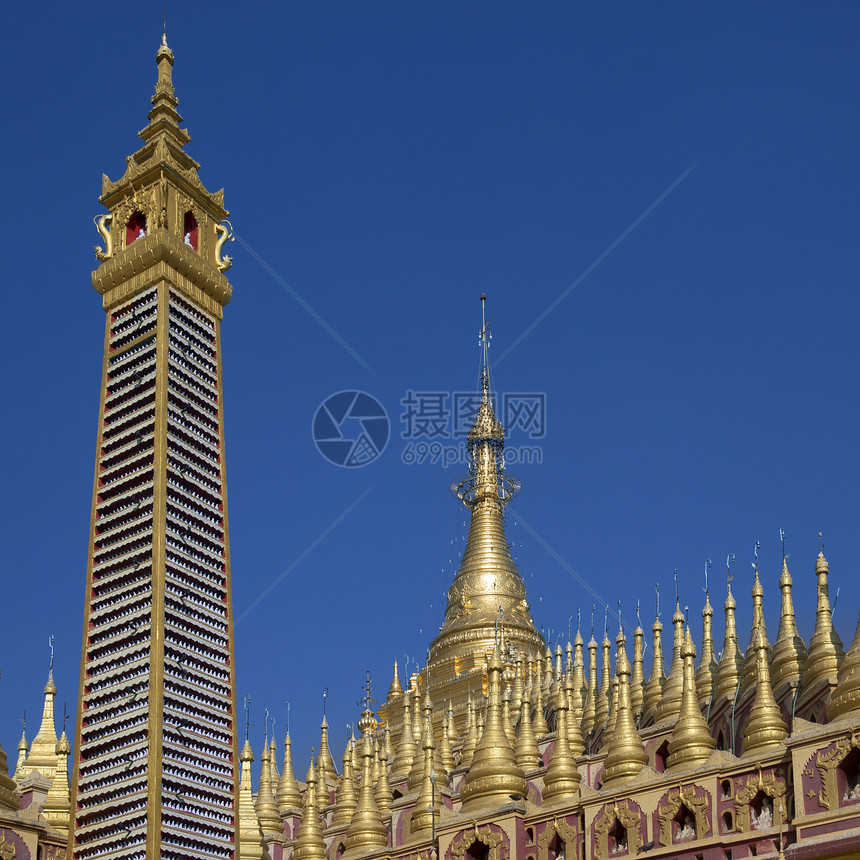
[155, 256]
[148, 164]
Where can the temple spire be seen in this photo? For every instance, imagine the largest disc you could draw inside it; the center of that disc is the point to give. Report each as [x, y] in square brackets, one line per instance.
[494, 775]
[789, 650]
[288, 789]
[731, 662]
[766, 729]
[626, 756]
[825, 646]
[748, 679]
[250, 835]
[309, 844]
[43, 750]
[488, 578]
[637, 679]
[670, 703]
[707, 671]
[654, 688]
[691, 742]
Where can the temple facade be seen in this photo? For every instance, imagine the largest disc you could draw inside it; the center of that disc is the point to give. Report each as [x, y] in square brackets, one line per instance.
[497, 749]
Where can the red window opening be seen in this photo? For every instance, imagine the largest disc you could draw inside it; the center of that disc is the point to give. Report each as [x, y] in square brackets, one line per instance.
[136, 227]
[190, 231]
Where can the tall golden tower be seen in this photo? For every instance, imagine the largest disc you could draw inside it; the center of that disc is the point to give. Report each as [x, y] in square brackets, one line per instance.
[155, 769]
[488, 589]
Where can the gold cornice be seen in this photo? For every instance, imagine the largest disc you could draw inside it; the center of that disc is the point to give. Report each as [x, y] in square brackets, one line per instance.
[161, 256]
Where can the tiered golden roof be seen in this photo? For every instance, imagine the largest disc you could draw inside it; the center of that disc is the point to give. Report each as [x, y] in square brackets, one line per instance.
[731, 662]
[707, 672]
[250, 836]
[750, 672]
[426, 809]
[579, 688]
[562, 778]
[626, 756]
[825, 646]
[58, 805]
[405, 753]
[526, 750]
[267, 808]
[789, 650]
[765, 729]
[42, 756]
[9, 799]
[487, 579]
[691, 742]
[654, 687]
[346, 800]
[366, 830]
[288, 789]
[539, 723]
[395, 689]
[845, 698]
[637, 678]
[494, 774]
[309, 844]
[601, 710]
[670, 703]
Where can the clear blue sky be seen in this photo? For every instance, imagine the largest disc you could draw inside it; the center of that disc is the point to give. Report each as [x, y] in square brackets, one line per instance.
[390, 162]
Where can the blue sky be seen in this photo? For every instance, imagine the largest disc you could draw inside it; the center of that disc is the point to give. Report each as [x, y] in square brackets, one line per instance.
[389, 162]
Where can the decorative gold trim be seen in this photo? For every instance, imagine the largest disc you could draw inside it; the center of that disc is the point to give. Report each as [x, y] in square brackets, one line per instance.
[672, 801]
[827, 763]
[491, 835]
[747, 788]
[565, 831]
[631, 819]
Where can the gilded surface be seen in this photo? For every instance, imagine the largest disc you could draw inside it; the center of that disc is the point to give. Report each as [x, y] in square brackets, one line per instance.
[629, 816]
[826, 764]
[746, 790]
[490, 835]
[671, 803]
[566, 830]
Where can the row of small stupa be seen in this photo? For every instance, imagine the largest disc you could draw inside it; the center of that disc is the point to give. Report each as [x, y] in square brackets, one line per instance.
[499, 742]
[42, 766]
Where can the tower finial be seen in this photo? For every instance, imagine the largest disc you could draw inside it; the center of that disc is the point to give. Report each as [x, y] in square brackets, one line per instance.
[755, 555]
[593, 607]
[247, 715]
[657, 589]
[782, 538]
[820, 543]
[325, 696]
[288, 717]
[677, 599]
[730, 560]
[164, 24]
[266, 712]
[707, 566]
[51, 646]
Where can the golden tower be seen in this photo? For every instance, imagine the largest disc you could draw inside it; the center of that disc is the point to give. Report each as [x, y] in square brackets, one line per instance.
[156, 760]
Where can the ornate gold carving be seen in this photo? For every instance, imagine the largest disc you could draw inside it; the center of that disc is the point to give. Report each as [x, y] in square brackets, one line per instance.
[629, 818]
[103, 225]
[7, 849]
[224, 233]
[747, 788]
[826, 764]
[566, 832]
[490, 835]
[56, 852]
[142, 200]
[672, 801]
